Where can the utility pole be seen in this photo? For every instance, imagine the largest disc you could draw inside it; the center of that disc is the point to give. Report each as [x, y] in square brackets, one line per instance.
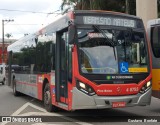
[2, 41]
[3, 47]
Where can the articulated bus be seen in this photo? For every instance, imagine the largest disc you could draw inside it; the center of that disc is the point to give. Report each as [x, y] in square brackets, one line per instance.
[153, 30]
[84, 60]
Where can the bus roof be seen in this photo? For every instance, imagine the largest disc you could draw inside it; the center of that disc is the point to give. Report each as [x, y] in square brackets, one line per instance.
[59, 24]
[22, 42]
[62, 22]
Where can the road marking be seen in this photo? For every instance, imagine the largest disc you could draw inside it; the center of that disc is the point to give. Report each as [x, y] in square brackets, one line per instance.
[58, 124]
[42, 112]
[25, 106]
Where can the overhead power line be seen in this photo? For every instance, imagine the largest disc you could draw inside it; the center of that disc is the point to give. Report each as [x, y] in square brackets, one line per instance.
[55, 12]
[23, 24]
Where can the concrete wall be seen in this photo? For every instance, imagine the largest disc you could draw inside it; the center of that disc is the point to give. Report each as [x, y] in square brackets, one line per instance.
[146, 9]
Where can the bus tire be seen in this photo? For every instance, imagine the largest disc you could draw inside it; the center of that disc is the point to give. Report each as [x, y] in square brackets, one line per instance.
[47, 99]
[15, 92]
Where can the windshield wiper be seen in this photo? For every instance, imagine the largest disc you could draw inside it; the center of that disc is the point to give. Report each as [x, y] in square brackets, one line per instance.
[104, 34]
[112, 44]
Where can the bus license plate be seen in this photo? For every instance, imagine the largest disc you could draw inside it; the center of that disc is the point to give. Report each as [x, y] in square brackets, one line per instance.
[118, 104]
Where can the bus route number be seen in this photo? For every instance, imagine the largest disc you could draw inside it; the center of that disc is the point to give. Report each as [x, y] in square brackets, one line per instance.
[132, 89]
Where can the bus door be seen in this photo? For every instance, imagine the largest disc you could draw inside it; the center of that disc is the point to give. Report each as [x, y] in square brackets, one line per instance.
[61, 67]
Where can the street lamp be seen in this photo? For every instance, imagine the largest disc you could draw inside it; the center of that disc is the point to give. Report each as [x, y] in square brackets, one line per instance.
[3, 37]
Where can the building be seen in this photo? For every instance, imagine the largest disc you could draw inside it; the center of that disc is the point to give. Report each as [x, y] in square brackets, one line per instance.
[147, 10]
[6, 44]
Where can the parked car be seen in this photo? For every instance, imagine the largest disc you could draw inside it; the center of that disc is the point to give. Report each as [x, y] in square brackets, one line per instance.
[2, 73]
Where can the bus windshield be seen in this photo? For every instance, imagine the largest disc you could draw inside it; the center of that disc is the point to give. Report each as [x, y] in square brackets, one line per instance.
[112, 51]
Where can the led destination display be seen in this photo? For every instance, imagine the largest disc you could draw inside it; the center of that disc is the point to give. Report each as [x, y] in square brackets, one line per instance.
[113, 21]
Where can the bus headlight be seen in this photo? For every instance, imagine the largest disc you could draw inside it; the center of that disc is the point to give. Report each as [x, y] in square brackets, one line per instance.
[82, 85]
[146, 87]
[149, 84]
[85, 88]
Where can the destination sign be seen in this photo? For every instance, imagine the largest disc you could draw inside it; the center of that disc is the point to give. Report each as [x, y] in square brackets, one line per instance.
[111, 21]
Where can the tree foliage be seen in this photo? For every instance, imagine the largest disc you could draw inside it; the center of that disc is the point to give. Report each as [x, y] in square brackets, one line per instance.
[109, 5]
[8, 35]
[42, 56]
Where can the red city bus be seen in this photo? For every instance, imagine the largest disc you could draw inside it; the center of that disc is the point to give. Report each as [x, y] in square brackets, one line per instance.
[85, 60]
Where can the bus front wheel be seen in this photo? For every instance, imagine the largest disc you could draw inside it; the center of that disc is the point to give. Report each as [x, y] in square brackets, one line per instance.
[47, 99]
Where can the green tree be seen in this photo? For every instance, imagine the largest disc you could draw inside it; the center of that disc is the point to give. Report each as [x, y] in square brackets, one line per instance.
[128, 6]
[85, 4]
[8, 35]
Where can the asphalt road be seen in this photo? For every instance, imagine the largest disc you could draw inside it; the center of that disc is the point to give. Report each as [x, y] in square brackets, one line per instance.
[27, 106]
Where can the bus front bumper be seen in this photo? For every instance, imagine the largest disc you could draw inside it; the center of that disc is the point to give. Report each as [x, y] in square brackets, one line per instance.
[83, 101]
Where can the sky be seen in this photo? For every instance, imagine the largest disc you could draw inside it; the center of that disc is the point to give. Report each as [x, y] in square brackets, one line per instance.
[27, 22]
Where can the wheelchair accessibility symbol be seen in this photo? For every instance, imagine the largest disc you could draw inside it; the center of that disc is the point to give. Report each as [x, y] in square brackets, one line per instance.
[123, 67]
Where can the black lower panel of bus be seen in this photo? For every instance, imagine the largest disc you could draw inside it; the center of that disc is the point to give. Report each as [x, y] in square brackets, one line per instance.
[116, 79]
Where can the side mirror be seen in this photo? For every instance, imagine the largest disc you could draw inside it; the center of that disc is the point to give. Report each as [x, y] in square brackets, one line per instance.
[0, 71]
[72, 38]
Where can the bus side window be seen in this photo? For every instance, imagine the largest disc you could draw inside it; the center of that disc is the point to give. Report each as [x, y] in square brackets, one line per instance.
[155, 40]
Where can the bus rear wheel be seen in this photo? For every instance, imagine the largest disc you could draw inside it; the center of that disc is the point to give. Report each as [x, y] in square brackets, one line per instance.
[47, 99]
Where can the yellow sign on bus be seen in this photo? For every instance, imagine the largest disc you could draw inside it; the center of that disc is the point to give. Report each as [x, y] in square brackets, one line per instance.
[137, 69]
